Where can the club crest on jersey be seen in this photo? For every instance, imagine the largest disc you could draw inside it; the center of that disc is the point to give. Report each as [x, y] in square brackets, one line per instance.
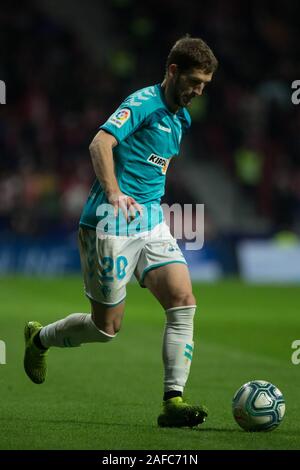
[120, 117]
[163, 163]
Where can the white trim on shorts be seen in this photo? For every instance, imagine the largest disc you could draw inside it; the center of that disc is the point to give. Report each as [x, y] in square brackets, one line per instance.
[158, 265]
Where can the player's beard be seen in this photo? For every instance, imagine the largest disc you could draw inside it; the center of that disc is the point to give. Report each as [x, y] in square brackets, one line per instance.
[180, 97]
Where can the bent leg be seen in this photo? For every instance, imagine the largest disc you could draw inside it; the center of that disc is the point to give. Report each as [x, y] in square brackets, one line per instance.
[78, 328]
[108, 319]
[106, 287]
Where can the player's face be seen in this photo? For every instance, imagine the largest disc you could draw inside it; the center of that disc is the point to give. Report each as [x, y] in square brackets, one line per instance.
[189, 85]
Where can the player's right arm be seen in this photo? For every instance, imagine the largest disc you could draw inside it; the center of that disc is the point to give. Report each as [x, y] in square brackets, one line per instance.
[101, 151]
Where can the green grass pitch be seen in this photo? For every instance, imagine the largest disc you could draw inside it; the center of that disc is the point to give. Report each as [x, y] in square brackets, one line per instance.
[108, 396]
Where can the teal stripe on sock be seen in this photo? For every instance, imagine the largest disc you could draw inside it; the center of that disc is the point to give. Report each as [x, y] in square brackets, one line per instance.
[189, 347]
[67, 343]
[188, 355]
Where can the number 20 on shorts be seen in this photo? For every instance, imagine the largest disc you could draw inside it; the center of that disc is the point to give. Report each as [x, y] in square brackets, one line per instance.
[111, 270]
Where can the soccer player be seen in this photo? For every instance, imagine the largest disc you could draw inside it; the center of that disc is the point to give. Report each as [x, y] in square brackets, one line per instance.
[130, 156]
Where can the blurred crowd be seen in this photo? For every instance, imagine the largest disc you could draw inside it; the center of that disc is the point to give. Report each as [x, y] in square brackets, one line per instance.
[57, 96]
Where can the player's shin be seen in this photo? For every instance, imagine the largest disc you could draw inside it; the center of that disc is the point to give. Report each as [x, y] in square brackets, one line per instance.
[74, 330]
[177, 348]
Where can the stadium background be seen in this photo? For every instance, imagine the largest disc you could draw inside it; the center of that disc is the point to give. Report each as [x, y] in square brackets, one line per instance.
[67, 65]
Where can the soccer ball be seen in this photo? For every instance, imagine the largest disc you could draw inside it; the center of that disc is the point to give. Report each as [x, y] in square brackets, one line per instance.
[258, 406]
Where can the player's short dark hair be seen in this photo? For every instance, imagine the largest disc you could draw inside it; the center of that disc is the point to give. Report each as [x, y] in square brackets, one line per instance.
[189, 53]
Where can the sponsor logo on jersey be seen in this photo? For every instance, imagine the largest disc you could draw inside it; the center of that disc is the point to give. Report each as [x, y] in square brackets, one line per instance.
[120, 117]
[163, 163]
[165, 129]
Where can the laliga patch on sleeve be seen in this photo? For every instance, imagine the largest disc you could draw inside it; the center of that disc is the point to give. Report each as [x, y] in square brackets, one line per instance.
[120, 117]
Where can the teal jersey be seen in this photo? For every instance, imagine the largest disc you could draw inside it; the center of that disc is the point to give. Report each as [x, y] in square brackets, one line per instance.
[148, 136]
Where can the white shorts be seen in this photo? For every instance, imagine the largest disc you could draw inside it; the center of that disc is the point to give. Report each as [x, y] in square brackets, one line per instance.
[108, 262]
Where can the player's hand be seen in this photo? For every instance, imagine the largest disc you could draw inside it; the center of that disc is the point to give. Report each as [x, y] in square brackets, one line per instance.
[127, 204]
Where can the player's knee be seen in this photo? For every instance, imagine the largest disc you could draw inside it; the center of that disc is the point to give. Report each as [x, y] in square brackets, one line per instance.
[109, 330]
[109, 327]
[182, 299]
[107, 319]
[117, 327]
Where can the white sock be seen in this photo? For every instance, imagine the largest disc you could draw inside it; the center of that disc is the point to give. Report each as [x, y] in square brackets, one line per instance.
[72, 331]
[178, 346]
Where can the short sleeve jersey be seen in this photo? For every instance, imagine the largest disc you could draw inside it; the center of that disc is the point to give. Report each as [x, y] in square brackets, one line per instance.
[148, 136]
